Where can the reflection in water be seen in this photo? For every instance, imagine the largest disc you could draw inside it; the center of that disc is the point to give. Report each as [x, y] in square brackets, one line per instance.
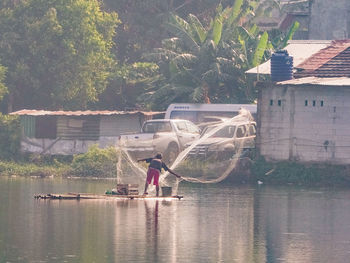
[152, 226]
[213, 223]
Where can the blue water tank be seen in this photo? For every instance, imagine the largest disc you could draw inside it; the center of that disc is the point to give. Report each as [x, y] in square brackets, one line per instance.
[281, 66]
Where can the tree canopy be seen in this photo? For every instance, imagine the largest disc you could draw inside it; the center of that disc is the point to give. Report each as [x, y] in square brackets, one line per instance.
[206, 63]
[72, 54]
[57, 52]
[3, 89]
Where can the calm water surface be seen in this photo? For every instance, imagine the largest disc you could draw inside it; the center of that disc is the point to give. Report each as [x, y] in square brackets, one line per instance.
[213, 223]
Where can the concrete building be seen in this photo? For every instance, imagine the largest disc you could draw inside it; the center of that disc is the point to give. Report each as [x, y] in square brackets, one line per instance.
[329, 19]
[307, 119]
[318, 19]
[72, 132]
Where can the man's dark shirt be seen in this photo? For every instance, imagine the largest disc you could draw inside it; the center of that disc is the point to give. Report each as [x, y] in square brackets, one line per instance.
[157, 164]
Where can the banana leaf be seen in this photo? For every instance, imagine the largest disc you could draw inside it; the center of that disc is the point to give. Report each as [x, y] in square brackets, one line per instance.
[260, 49]
[217, 30]
[236, 9]
[291, 32]
[198, 28]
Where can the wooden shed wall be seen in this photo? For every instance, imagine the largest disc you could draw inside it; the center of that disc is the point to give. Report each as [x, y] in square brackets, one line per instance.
[81, 127]
[120, 124]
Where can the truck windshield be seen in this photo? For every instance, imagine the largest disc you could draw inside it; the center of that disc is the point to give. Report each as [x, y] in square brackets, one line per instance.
[225, 132]
[152, 127]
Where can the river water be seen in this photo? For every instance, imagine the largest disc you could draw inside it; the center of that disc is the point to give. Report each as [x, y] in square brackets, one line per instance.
[213, 223]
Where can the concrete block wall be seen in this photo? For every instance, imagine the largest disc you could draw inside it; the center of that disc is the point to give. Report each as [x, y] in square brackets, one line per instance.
[314, 131]
[329, 19]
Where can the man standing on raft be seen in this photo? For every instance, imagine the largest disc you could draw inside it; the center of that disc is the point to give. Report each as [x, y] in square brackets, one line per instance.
[155, 166]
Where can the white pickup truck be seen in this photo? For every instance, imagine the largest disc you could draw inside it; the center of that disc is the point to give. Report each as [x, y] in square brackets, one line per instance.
[164, 135]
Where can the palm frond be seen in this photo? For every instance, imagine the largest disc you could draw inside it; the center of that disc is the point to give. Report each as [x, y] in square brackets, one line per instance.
[172, 43]
[189, 41]
[198, 94]
[159, 54]
[244, 33]
[180, 90]
[197, 28]
[184, 60]
[180, 28]
[253, 30]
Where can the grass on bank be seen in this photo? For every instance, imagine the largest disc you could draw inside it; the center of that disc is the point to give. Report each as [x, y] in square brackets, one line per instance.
[96, 162]
[102, 163]
[11, 168]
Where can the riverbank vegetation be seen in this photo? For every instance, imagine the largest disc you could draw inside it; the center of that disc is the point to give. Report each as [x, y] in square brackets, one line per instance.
[102, 163]
[10, 136]
[96, 162]
[292, 173]
[117, 54]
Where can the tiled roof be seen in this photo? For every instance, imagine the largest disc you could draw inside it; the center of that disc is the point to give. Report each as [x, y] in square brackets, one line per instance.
[332, 61]
[79, 113]
[300, 50]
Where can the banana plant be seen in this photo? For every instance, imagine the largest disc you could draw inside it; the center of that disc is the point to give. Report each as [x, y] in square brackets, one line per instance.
[202, 63]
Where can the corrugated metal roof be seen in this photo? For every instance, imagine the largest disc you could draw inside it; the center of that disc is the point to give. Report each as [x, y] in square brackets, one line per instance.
[300, 50]
[342, 81]
[80, 113]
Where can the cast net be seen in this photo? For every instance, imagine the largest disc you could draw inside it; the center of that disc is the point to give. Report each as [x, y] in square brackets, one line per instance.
[209, 159]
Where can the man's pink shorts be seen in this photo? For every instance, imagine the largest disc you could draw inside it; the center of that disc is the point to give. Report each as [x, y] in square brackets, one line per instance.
[153, 173]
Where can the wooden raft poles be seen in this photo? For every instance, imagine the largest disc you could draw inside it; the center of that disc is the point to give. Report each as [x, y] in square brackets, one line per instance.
[79, 196]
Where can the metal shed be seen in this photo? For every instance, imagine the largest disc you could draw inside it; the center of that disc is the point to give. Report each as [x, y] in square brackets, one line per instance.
[71, 132]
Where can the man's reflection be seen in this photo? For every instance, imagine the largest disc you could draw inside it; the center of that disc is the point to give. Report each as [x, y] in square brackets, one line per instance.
[151, 209]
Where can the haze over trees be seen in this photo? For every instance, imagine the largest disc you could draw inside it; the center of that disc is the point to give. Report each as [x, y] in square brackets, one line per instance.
[117, 54]
[57, 53]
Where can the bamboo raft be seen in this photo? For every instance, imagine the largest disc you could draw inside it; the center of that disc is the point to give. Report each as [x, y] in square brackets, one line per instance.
[79, 196]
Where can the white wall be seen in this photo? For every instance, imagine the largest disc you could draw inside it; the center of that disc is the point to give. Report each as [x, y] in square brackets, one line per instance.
[110, 129]
[310, 133]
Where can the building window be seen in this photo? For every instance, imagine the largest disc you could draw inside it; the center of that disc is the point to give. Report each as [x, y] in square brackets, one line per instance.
[306, 102]
[313, 103]
[46, 127]
[321, 103]
[279, 102]
[271, 102]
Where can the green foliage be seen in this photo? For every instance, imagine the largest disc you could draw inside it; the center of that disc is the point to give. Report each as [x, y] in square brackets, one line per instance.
[10, 136]
[280, 39]
[300, 174]
[202, 63]
[194, 167]
[57, 52]
[10, 168]
[291, 32]
[260, 49]
[3, 89]
[127, 83]
[143, 22]
[95, 162]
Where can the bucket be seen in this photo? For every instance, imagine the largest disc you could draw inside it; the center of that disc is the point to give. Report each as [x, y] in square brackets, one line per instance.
[166, 191]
